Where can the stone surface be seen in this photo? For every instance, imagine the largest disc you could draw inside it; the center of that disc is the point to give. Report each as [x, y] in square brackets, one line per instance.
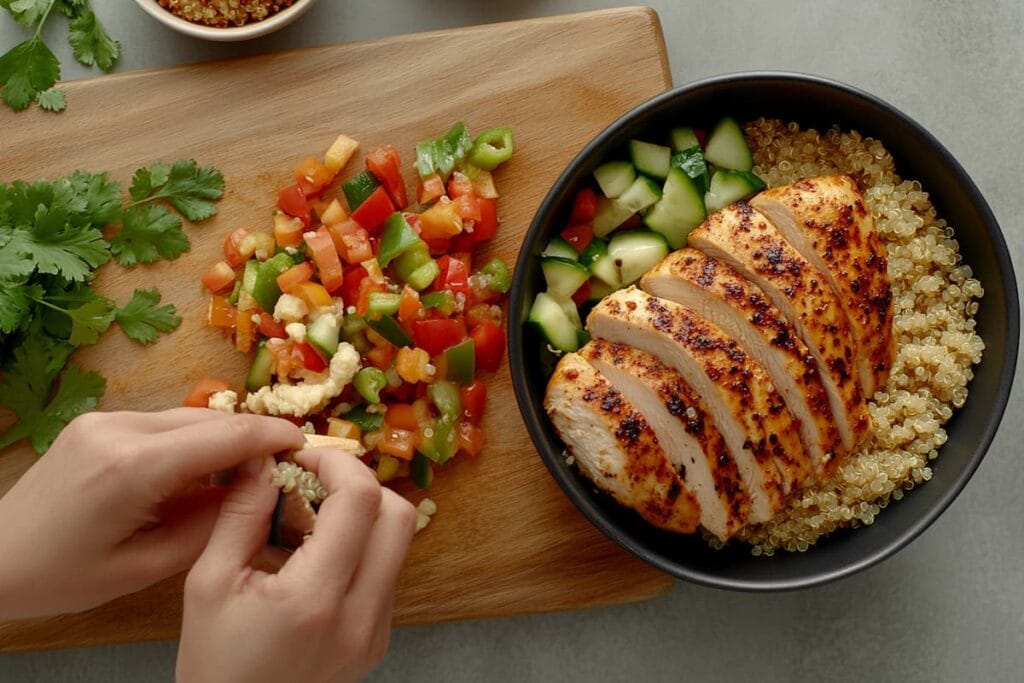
[951, 606]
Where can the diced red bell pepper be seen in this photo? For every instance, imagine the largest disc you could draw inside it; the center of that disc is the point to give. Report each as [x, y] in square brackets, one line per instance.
[381, 357]
[293, 202]
[460, 185]
[308, 357]
[467, 206]
[434, 335]
[489, 340]
[474, 396]
[385, 164]
[579, 235]
[272, 328]
[487, 226]
[584, 208]
[372, 213]
[312, 176]
[325, 256]
[454, 277]
[350, 285]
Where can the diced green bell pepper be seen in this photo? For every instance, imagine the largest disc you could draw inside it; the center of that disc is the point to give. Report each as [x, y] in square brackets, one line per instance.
[410, 260]
[441, 445]
[368, 382]
[358, 188]
[353, 331]
[424, 276]
[443, 154]
[382, 303]
[420, 471]
[447, 399]
[367, 422]
[252, 268]
[265, 290]
[460, 361]
[492, 148]
[387, 327]
[397, 239]
[235, 293]
[501, 278]
[443, 301]
[261, 370]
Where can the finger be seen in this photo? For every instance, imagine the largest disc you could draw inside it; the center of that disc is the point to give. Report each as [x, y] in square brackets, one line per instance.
[373, 586]
[184, 454]
[243, 525]
[330, 556]
[166, 420]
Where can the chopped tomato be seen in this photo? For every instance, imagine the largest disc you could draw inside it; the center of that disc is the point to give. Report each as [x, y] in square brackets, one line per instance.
[579, 235]
[702, 137]
[245, 331]
[219, 277]
[287, 230]
[289, 279]
[372, 213]
[459, 185]
[464, 241]
[404, 392]
[470, 439]
[308, 357]
[293, 202]
[401, 416]
[355, 244]
[431, 188]
[467, 206]
[440, 221]
[409, 305]
[281, 350]
[474, 397]
[487, 226]
[454, 276]
[221, 314]
[489, 340]
[272, 328]
[200, 395]
[634, 221]
[584, 208]
[441, 246]
[434, 335]
[313, 295]
[312, 176]
[582, 295]
[385, 164]
[321, 247]
[397, 442]
[232, 248]
[350, 286]
[381, 356]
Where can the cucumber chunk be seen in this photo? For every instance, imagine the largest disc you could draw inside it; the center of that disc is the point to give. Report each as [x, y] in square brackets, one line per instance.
[727, 148]
[615, 177]
[642, 193]
[731, 186]
[605, 269]
[261, 370]
[691, 162]
[599, 289]
[684, 138]
[595, 250]
[553, 322]
[610, 215]
[650, 159]
[561, 249]
[323, 334]
[635, 252]
[563, 276]
[572, 313]
[680, 210]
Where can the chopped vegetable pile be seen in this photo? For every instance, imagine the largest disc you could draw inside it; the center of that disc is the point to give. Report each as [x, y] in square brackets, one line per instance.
[641, 209]
[362, 307]
[51, 244]
[29, 70]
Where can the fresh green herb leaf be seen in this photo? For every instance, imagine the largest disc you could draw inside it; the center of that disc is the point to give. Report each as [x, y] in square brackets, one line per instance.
[14, 265]
[25, 71]
[93, 198]
[27, 12]
[90, 41]
[149, 233]
[62, 250]
[142, 319]
[188, 187]
[90, 320]
[15, 304]
[52, 100]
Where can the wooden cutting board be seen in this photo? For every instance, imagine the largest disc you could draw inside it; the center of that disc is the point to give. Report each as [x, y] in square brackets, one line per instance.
[505, 540]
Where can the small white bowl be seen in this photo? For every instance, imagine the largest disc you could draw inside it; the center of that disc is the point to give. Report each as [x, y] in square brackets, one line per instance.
[233, 33]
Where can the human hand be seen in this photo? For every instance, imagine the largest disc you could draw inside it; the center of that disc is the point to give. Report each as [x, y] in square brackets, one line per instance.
[108, 511]
[326, 615]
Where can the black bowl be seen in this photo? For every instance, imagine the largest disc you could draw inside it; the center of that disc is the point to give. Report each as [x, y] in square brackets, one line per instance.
[820, 103]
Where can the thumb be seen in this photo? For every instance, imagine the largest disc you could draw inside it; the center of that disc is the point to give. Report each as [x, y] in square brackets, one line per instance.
[243, 526]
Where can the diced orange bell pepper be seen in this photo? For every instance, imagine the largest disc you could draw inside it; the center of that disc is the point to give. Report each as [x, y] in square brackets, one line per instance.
[245, 331]
[398, 443]
[440, 221]
[470, 438]
[342, 429]
[409, 305]
[313, 294]
[200, 395]
[287, 230]
[381, 356]
[290, 279]
[431, 188]
[221, 314]
[219, 277]
[401, 416]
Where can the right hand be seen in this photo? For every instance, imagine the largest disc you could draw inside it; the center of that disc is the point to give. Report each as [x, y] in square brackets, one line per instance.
[326, 615]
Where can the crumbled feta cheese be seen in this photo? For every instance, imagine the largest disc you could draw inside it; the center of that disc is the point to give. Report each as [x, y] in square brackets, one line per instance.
[424, 511]
[255, 317]
[296, 332]
[261, 254]
[224, 401]
[293, 250]
[307, 397]
[351, 310]
[290, 308]
[308, 428]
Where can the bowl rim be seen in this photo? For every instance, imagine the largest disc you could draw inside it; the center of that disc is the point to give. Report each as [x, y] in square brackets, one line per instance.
[533, 415]
[232, 33]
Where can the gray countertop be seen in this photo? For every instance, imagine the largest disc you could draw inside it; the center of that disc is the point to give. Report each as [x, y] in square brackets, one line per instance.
[951, 606]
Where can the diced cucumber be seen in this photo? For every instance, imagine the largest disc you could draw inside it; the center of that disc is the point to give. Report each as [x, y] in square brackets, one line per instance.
[680, 210]
[635, 252]
[571, 312]
[323, 333]
[556, 326]
[684, 138]
[561, 249]
[605, 269]
[691, 162]
[595, 250]
[563, 276]
[252, 267]
[727, 147]
[650, 159]
[642, 193]
[599, 289]
[731, 186]
[610, 215]
[261, 370]
[615, 177]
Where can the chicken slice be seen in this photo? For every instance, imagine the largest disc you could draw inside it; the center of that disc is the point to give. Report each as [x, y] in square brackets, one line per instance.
[758, 428]
[614, 447]
[686, 432]
[743, 238]
[719, 293]
[826, 220]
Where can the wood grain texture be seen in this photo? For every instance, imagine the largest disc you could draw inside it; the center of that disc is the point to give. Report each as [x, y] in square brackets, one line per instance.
[505, 540]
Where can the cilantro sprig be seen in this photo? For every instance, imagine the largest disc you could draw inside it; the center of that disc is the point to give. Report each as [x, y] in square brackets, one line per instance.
[30, 70]
[52, 242]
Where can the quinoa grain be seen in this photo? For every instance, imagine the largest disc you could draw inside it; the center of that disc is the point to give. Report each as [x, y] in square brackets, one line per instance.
[224, 13]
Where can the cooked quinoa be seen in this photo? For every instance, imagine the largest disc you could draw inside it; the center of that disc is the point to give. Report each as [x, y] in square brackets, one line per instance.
[934, 303]
[288, 476]
[224, 13]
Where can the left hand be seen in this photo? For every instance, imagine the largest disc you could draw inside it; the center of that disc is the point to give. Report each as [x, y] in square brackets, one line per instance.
[113, 508]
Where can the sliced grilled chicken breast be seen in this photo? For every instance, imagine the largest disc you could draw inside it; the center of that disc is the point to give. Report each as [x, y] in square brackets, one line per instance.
[685, 430]
[614, 447]
[741, 310]
[743, 238]
[752, 417]
[826, 220]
